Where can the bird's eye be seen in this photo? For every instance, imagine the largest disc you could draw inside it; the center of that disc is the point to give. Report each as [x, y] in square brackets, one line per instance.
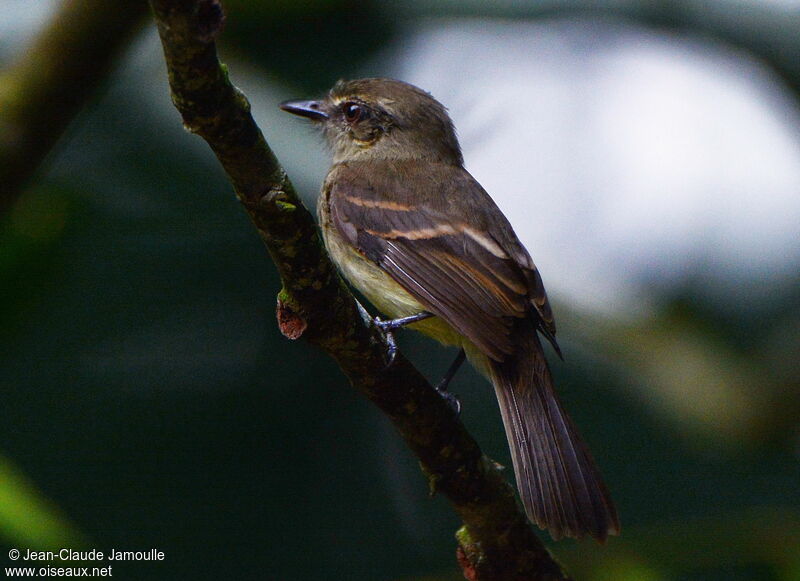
[353, 112]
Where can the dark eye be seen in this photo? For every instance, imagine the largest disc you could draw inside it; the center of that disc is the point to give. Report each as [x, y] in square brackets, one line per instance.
[353, 112]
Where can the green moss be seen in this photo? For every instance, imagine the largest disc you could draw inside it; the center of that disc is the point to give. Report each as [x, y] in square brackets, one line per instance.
[284, 296]
[464, 538]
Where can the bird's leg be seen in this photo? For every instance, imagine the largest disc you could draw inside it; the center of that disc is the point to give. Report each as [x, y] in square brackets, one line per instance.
[441, 387]
[388, 327]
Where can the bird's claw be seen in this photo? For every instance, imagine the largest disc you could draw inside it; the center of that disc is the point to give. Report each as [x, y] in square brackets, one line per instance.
[387, 329]
[441, 387]
[451, 399]
[385, 326]
[388, 326]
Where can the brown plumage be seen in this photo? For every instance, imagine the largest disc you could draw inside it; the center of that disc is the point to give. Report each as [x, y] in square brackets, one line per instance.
[413, 230]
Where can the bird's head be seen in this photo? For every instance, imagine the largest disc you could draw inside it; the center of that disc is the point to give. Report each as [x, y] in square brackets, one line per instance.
[382, 119]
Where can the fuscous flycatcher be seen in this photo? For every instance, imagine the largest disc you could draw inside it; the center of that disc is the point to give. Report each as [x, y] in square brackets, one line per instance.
[412, 230]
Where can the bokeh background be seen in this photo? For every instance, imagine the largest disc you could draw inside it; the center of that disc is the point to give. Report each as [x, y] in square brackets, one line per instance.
[648, 154]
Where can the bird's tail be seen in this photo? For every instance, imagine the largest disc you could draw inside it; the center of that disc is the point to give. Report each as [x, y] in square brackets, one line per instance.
[559, 484]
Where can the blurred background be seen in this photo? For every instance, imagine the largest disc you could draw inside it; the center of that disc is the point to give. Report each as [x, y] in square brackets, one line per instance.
[646, 151]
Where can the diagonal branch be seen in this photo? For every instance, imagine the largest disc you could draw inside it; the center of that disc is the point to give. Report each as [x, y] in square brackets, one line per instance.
[49, 84]
[496, 542]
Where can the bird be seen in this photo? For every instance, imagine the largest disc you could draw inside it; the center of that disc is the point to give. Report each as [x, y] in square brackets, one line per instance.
[417, 235]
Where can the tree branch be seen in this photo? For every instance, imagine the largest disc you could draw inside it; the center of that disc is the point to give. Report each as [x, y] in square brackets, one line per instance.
[496, 542]
[49, 84]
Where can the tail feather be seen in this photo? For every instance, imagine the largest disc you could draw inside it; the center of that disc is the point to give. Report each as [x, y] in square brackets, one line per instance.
[560, 486]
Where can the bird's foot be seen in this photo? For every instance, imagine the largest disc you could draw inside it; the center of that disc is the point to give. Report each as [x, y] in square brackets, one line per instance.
[391, 344]
[451, 399]
[388, 327]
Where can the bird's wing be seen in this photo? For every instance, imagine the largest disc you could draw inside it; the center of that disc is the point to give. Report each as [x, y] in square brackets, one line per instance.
[465, 266]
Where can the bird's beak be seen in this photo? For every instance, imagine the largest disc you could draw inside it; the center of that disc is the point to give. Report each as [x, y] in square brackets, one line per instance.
[311, 109]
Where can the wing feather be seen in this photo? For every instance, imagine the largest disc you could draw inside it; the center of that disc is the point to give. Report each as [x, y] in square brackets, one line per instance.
[463, 263]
